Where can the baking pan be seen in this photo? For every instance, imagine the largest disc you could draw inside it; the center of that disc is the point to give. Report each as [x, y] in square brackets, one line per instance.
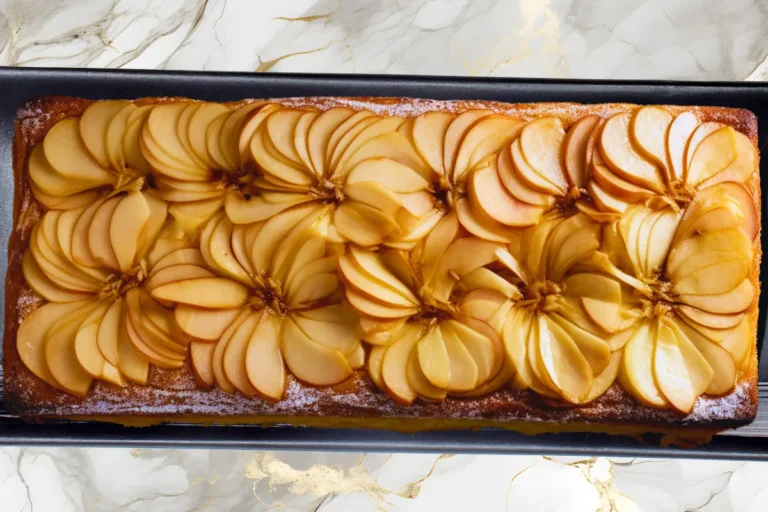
[19, 85]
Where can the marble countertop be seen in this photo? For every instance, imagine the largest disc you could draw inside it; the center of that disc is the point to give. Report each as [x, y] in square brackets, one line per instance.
[632, 39]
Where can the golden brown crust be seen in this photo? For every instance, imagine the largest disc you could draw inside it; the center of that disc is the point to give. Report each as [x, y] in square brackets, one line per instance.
[173, 395]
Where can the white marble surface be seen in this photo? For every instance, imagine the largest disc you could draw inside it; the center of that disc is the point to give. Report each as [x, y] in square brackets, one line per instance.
[676, 39]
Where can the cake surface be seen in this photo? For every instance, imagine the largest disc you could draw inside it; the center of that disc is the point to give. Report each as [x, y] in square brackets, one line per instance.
[598, 170]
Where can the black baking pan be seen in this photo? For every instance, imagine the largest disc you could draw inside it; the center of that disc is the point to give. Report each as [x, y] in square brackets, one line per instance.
[19, 85]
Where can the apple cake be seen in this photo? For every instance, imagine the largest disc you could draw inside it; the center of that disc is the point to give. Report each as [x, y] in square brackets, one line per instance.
[385, 262]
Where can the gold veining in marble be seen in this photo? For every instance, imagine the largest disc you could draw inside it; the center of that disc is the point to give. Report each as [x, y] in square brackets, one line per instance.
[321, 481]
[311, 18]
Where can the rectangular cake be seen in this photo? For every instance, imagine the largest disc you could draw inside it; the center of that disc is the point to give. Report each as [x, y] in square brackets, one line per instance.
[385, 262]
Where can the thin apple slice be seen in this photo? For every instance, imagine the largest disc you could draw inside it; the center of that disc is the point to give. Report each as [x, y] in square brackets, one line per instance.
[201, 361]
[528, 174]
[637, 368]
[701, 132]
[516, 187]
[482, 304]
[659, 241]
[32, 334]
[309, 361]
[60, 353]
[433, 358]
[193, 215]
[86, 344]
[604, 201]
[482, 226]
[182, 256]
[649, 127]
[623, 159]
[207, 292]
[336, 327]
[176, 273]
[162, 125]
[419, 382]
[126, 225]
[483, 139]
[712, 320]
[575, 150]
[114, 135]
[340, 131]
[53, 202]
[182, 130]
[462, 257]
[429, 136]
[263, 361]
[734, 301]
[134, 159]
[233, 360]
[595, 350]
[203, 324]
[320, 134]
[681, 372]
[93, 127]
[541, 143]
[482, 278]
[216, 248]
[389, 173]
[618, 187]
[107, 334]
[280, 127]
[394, 363]
[43, 286]
[231, 131]
[301, 135]
[276, 165]
[360, 139]
[746, 203]
[714, 154]
[515, 339]
[67, 154]
[218, 354]
[98, 234]
[252, 121]
[132, 363]
[367, 262]
[724, 370]
[463, 372]
[370, 306]
[363, 224]
[197, 130]
[488, 193]
[741, 168]
[679, 134]
[454, 135]
[564, 363]
[50, 181]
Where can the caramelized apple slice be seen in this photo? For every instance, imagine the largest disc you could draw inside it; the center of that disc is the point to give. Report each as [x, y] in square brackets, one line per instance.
[484, 138]
[679, 133]
[575, 150]
[93, 128]
[715, 153]
[310, 361]
[67, 154]
[201, 359]
[623, 159]
[486, 190]
[207, 292]
[681, 372]
[429, 136]
[649, 128]
[637, 368]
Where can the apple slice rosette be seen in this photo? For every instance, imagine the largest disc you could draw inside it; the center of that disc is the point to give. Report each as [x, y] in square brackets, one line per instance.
[553, 340]
[685, 279]
[264, 301]
[199, 155]
[90, 264]
[423, 344]
[361, 163]
[654, 158]
[501, 173]
[81, 158]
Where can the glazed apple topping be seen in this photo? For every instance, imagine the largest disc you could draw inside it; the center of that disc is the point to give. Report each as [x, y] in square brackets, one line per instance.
[443, 255]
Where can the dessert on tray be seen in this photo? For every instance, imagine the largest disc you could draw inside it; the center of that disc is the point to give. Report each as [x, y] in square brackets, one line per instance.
[394, 263]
